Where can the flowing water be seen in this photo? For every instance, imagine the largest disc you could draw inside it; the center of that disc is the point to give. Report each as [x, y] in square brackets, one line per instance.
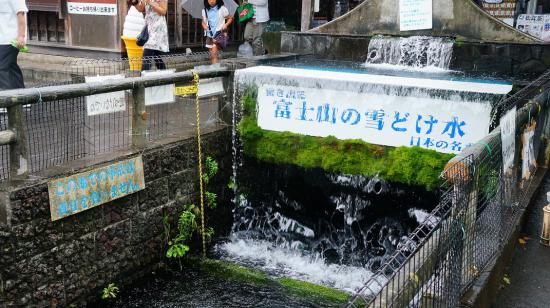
[415, 52]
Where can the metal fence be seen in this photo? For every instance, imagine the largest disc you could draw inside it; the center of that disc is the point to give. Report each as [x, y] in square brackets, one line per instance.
[55, 127]
[475, 217]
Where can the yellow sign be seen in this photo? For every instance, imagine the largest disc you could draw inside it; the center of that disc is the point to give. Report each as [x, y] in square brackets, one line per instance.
[186, 90]
[83, 191]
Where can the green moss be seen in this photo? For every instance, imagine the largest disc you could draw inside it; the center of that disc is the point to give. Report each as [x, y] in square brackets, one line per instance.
[233, 271]
[409, 165]
[325, 295]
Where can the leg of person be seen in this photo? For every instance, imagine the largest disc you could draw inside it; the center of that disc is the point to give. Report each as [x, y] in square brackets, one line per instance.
[249, 32]
[257, 43]
[11, 76]
[158, 60]
[147, 56]
[214, 54]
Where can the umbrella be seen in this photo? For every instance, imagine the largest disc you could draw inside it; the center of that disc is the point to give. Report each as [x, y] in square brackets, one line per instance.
[195, 7]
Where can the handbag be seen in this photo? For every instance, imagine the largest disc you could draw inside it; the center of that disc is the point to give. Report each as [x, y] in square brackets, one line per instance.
[221, 39]
[246, 11]
[143, 37]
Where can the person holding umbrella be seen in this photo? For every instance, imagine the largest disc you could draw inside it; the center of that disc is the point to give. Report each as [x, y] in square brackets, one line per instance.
[215, 22]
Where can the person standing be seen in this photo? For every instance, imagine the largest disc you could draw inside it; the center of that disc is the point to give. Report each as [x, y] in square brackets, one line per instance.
[13, 29]
[215, 22]
[157, 44]
[255, 27]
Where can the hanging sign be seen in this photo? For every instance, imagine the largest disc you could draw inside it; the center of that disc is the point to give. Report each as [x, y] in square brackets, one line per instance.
[161, 94]
[537, 25]
[528, 159]
[106, 102]
[92, 7]
[415, 15]
[83, 191]
[443, 125]
[508, 137]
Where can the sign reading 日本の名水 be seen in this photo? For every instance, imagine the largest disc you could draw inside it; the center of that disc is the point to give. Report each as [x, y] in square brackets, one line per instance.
[86, 190]
[438, 124]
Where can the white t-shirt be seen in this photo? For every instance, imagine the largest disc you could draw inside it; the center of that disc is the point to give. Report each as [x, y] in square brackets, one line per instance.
[223, 13]
[8, 17]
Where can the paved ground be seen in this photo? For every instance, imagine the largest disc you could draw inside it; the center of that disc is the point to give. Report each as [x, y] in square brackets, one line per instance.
[529, 271]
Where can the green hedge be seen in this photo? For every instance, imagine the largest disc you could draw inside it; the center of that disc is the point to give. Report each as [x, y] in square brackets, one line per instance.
[409, 165]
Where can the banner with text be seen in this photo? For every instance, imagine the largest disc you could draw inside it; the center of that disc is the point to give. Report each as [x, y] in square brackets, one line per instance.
[437, 124]
[86, 190]
[415, 15]
[92, 7]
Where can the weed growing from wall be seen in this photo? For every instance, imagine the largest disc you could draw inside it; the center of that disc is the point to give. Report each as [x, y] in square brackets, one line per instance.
[187, 226]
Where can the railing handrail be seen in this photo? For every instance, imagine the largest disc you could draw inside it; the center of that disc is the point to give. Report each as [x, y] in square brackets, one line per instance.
[16, 97]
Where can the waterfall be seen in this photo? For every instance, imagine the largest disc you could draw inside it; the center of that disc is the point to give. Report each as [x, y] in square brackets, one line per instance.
[413, 52]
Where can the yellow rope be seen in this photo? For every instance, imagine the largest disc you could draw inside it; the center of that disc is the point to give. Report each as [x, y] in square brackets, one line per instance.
[196, 82]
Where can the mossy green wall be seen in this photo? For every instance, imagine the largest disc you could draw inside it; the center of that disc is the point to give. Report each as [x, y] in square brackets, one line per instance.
[409, 165]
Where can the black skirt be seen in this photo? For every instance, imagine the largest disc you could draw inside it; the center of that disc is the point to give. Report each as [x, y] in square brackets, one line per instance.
[11, 76]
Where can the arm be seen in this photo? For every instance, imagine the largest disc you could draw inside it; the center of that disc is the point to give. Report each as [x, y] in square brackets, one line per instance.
[228, 22]
[204, 21]
[140, 5]
[159, 7]
[21, 29]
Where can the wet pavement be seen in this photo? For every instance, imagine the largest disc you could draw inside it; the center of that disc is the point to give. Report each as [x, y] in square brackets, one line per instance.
[529, 271]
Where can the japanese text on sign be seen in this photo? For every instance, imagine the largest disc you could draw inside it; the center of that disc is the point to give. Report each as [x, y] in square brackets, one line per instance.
[89, 189]
[105, 102]
[107, 9]
[415, 14]
[442, 125]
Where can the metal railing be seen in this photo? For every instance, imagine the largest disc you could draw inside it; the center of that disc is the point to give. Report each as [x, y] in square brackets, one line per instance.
[48, 126]
[473, 221]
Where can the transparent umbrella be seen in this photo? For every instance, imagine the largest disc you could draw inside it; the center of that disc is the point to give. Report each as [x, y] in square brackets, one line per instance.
[195, 7]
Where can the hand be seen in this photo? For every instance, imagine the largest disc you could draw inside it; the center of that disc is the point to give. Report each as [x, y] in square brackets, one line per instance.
[224, 28]
[20, 41]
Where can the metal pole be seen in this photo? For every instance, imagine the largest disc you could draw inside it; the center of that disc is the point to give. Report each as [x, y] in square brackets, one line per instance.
[139, 118]
[19, 158]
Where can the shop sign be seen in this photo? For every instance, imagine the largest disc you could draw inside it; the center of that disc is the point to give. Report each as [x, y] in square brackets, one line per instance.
[83, 191]
[433, 123]
[92, 7]
[415, 15]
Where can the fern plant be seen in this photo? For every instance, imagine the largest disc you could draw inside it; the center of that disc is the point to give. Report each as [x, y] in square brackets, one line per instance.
[110, 291]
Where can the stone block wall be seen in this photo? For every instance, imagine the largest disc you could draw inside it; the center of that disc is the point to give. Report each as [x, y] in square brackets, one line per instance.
[69, 261]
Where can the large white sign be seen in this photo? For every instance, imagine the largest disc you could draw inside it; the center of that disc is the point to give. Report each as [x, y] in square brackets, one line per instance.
[537, 25]
[437, 124]
[160, 94]
[106, 102]
[508, 137]
[415, 15]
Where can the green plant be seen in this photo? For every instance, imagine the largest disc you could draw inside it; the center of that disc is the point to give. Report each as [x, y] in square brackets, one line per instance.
[187, 221]
[110, 291]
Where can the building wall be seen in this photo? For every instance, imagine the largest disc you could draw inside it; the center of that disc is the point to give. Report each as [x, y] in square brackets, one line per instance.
[69, 261]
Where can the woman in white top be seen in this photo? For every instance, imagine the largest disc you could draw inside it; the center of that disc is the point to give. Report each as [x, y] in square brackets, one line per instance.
[215, 22]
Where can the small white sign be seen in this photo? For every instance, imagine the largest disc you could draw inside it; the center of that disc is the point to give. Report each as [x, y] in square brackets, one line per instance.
[106, 102]
[161, 94]
[210, 87]
[537, 25]
[508, 137]
[528, 157]
[415, 15]
[106, 9]
[433, 123]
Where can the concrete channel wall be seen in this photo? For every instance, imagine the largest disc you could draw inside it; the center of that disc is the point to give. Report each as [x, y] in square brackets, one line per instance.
[516, 61]
[69, 261]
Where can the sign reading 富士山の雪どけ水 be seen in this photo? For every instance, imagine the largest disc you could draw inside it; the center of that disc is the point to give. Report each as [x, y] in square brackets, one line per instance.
[82, 191]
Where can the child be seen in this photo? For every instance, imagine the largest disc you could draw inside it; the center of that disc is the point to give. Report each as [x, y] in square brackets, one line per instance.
[215, 21]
